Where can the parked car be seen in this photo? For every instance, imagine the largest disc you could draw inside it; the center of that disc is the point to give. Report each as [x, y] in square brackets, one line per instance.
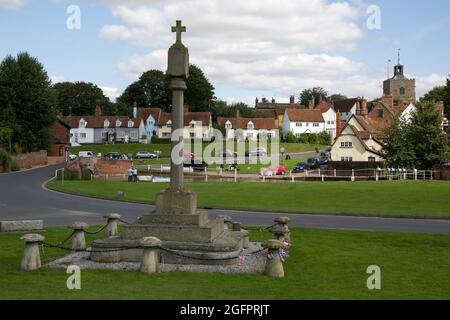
[258, 152]
[300, 167]
[313, 163]
[86, 154]
[195, 164]
[226, 154]
[113, 155]
[278, 171]
[146, 155]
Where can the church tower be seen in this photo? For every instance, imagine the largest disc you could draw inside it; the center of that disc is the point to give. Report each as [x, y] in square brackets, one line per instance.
[400, 87]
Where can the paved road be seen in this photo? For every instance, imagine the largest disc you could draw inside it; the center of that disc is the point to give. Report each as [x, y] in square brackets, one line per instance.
[22, 197]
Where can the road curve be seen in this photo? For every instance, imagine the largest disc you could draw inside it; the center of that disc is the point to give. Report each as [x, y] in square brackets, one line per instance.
[23, 197]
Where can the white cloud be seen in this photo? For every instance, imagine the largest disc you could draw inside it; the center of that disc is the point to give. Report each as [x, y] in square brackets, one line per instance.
[57, 78]
[261, 45]
[111, 93]
[12, 4]
[426, 83]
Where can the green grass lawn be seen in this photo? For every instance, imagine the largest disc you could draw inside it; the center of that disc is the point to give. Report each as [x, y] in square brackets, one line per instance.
[165, 148]
[383, 198]
[324, 264]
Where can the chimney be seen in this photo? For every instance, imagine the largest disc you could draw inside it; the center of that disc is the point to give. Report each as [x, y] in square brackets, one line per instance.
[364, 110]
[388, 100]
[256, 101]
[135, 110]
[311, 104]
[186, 109]
[292, 100]
[238, 113]
[98, 111]
[264, 100]
[273, 100]
[338, 124]
[320, 98]
[358, 106]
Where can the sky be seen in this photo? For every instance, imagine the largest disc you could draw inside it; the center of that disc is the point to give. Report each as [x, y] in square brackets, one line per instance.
[247, 49]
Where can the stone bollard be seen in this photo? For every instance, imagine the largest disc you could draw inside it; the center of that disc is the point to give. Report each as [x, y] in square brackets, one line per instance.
[226, 220]
[283, 222]
[237, 226]
[150, 258]
[280, 233]
[78, 239]
[31, 259]
[245, 239]
[111, 227]
[274, 263]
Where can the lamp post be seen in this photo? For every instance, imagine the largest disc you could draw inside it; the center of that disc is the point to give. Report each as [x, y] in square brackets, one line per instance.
[282, 150]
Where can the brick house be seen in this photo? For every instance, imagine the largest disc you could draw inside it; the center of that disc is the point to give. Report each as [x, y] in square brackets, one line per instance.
[61, 138]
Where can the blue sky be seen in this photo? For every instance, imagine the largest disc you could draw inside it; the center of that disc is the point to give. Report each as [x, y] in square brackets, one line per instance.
[270, 48]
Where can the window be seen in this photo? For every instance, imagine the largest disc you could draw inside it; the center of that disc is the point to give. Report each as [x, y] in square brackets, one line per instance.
[372, 159]
[347, 145]
[228, 125]
[130, 124]
[250, 126]
[169, 124]
[316, 124]
[298, 124]
[346, 159]
[192, 134]
[106, 124]
[82, 123]
[380, 113]
[402, 91]
[83, 135]
[192, 125]
[307, 124]
[118, 123]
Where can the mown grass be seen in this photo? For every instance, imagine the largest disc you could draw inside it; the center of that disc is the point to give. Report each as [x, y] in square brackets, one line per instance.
[324, 264]
[383, 198]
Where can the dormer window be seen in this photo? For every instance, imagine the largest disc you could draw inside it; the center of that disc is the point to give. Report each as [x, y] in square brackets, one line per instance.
[192, 124]
[130, 124]
[228, 125]
[118, 123]
[106, 124]
[250, 126]
[169, 124]
[82, 123]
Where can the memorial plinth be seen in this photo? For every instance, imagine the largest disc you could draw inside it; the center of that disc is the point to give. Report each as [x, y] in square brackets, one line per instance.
[183, 229]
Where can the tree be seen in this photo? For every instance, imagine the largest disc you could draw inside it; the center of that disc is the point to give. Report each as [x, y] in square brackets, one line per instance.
[419, 143]
[338, 97]
[80, 98]
[28, 103]
[436, 94]
[200, 92]
[447, 98]
[151, 90]
[308, 94]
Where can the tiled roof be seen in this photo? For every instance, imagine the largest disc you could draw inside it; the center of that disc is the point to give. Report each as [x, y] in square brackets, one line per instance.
[204, 117]
[242, 123]
[99, 122]
[344, 105]
[144, 113]
[305, 115]
[323, 106]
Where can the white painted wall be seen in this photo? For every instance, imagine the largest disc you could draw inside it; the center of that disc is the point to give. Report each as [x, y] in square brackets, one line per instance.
[330, 122]
[298, 128]
[76, 136]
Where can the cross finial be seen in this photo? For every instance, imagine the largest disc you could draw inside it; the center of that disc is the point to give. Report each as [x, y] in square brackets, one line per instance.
[178, 29]
[399, 56]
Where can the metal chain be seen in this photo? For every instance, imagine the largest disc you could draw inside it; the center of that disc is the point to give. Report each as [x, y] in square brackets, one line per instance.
[98, 231]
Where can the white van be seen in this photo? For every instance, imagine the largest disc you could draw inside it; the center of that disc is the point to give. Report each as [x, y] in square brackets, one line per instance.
[86, 154]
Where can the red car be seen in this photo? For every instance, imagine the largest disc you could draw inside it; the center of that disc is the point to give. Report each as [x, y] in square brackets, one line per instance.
[278, 171]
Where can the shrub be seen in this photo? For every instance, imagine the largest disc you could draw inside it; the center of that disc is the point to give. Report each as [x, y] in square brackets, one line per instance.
[5, 160]
[14, 166]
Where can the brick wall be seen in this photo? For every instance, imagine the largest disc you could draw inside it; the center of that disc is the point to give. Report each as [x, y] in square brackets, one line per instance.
[443, 173]
[29, 160]
[105, 166]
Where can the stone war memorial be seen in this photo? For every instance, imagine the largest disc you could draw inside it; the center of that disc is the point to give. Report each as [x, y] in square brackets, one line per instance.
[180, 232]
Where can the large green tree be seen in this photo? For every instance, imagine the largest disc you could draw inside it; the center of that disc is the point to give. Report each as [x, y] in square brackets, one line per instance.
[317, 92]
[419, 143]
[151, 90]
[447, 98]
[80, 98]
[200, 92]
[436, 94]
[27, 102]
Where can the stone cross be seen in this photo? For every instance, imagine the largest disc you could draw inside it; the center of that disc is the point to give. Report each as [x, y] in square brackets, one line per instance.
[178, 29]
[178, 71]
